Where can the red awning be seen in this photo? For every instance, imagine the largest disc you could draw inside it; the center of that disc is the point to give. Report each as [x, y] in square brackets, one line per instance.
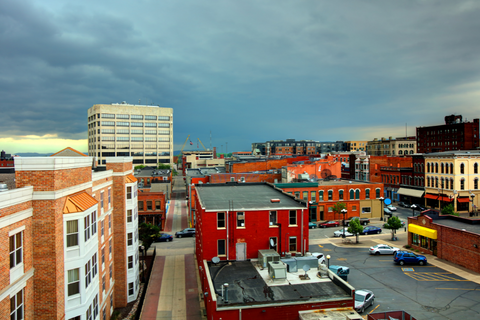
[447, 199]
[431, 196]
[463, 199]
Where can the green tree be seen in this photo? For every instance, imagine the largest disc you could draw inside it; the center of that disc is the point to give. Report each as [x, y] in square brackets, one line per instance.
[338, 207]
[449, 209]
[355, 227]
[139, 167]
[163, 166]
[393, 223]
[147, 233]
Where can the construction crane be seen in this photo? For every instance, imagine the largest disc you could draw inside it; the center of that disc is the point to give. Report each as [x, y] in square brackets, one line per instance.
[181, 151]
[202, 144]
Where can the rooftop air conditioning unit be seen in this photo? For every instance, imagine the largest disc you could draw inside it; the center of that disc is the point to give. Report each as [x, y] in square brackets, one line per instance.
[266, 256]
[277, 270]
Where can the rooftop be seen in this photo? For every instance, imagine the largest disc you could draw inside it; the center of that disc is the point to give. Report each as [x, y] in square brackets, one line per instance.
[461, 223]
[334, 182]
[245, 196]
[152, 172]
[250, 284]
[453, 153]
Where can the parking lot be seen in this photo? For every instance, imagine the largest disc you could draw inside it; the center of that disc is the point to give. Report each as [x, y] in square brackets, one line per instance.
[427, 292]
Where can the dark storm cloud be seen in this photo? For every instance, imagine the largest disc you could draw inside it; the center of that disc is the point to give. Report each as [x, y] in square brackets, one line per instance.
[248, 71]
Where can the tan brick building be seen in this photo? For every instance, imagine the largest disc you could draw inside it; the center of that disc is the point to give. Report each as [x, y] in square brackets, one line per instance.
[72, 239]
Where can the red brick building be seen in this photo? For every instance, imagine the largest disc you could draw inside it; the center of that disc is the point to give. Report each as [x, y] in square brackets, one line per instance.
[451, 238]
[389, 170]
[66, 223]
[455, 134]
[152, 208]
[261, 165]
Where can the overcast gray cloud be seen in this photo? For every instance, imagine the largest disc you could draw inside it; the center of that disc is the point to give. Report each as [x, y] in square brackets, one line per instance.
[246, 70]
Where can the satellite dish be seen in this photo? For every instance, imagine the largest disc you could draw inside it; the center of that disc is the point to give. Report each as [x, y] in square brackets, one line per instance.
[215, 260]
[272, 243]
[305, 268]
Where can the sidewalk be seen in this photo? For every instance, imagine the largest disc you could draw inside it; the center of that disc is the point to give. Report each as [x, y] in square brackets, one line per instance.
[385, 238]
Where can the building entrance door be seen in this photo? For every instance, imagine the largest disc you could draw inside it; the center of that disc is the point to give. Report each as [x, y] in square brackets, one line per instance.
[321, 213]
[434, 247]
[241, 249]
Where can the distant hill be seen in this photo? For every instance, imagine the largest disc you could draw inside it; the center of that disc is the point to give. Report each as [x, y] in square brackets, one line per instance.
[33, 154]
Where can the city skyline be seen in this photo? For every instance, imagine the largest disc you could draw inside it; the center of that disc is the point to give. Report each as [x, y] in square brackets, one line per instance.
[246, 72]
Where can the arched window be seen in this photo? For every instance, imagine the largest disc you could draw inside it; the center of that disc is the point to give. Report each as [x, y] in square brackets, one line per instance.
[436, 182]
[475, 167]
[340, 194]
[475, 183]
[462, 184]
[330, 195]
[377, 193]
[357, 194]
[442, 183]
[400, 152]
[462, 168]
[428, 167]
[451, 169]
[436, 167]
[320, 195]
[367, 193]
[451, 183]
[352, 194]
[421, 167]
[443, 171]
[428, 181]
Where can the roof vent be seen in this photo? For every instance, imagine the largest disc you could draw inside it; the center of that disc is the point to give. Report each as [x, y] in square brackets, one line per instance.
[274, 200]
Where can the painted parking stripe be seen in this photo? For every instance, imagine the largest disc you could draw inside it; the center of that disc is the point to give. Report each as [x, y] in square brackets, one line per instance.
[434, 276]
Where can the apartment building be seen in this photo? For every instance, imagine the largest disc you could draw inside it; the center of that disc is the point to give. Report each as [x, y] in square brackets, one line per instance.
[455, 134]
[144, 133]
[356, 145]
[392, 147]
[73, 253]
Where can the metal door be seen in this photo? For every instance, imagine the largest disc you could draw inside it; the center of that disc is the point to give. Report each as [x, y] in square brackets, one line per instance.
[241, 249]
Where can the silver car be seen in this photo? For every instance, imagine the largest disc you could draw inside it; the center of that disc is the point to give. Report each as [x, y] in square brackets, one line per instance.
[382, 249]
[363, 300]
[339, 233]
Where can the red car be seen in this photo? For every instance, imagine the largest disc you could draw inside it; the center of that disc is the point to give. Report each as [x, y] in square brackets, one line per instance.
[327, 224]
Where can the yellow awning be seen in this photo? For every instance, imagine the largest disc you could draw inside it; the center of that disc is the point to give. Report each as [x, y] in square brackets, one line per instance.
[426, 232]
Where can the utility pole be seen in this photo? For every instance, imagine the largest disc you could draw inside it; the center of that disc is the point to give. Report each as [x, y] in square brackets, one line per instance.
[226, 147]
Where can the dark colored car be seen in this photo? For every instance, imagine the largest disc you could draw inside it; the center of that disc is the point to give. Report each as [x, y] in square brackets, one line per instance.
[418, 207]
[164, 238]
[371, 230]
[403, 204]
[327, 224]
[403, 257]
[188, 232]
[312, 225]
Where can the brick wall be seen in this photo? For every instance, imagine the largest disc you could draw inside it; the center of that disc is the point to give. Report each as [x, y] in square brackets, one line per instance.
[51, 180]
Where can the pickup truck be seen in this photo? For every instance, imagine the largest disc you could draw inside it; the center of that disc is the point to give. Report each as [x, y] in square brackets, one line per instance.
[363, 221]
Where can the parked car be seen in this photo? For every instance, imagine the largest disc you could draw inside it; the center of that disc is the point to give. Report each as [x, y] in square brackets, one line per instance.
[382, 249]
[188, 232]
[403, 204]
[164, 238]
[363, 300]
[312, 225]
[363, 221]
[319, 256]
[387, 212]
[391, 208]
[340, 271]
[418, 207]
[403, 257]
[327, 224]
[339, 233]
[371, 230]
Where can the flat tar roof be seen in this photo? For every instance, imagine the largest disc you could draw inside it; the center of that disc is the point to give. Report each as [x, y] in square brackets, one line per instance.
[248, 287]
[244, 197]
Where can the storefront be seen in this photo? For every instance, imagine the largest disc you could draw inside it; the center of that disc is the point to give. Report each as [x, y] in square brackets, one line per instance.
[424, 237]
[410, 196]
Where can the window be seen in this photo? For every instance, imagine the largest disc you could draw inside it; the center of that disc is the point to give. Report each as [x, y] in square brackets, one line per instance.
[103, 283]
[273, 218]
[103, 256]
[109, 197]
[366, 210]
[16, 306]
[129, 215]
[367, 193]
[357, 194]
[305, 195]
[72, 233]
[292, 244]
[377, 193]
[158, 205]
[149, 205]
[240, 219]
[94, 265]
[220, 220]
[462, 184]
[330, 195]
[462, 168]
[292, 217]
[475, 167]
[16, 250]
[320, 195]
[111, 271]
[221, 247]
[73, 282]
[129, 192]
[87, 227]
[313, 196]
[95, 307]
[130, 262]
[352, 194]
[297, 194]
[109, 222]
[131, 291]
[140, 205]
[110, 247]
[354, 208]
[88, 274]
[101, 199]
[102, 229]
[340, 195]
[129, 239]
[451, 168]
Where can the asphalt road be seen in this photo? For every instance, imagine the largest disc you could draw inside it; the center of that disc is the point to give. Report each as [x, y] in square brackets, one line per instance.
[425, 292]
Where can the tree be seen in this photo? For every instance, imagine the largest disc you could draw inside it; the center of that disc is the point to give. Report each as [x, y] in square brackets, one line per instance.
[338, 207]
[163, 166]
[393, 224]
[449, 209]
[147, 233]
[139, 167]
[355, 227]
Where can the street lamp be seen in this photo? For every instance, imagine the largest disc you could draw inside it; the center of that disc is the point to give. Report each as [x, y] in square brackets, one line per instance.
[381, 208]
[413, 209]
[142, 249]
[473, 198]
[344, 212]
[328, 261]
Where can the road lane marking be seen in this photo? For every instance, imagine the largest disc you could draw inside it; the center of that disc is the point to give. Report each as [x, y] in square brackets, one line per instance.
[375, 308]
[320, 246]
[434, 276]
[457, 289]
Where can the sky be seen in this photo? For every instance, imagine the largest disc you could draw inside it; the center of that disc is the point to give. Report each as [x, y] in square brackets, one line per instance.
[246, 71]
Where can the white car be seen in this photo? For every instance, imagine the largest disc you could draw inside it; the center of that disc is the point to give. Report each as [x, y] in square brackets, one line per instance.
[383, 249]
[339, 233]
[363, 300]
[392, 208]
[319, 256]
